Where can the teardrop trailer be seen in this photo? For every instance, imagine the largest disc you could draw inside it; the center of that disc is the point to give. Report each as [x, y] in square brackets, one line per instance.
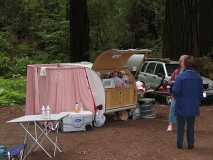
[118, 82]
[61, 93]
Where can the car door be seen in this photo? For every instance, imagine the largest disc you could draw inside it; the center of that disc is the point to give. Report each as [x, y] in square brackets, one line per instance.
[159, 75]
[149, 75]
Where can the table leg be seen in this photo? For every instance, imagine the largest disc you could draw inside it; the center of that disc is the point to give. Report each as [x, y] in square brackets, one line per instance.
[35, 140]
[25, 138]
[34, 145]
[50, 140]
[42, 134]
[56, 138]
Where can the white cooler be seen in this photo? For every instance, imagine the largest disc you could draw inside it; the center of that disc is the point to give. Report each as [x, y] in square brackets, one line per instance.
[77, 121]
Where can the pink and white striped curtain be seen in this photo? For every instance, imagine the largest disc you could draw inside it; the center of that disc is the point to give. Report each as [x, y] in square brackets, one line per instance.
[61, 88]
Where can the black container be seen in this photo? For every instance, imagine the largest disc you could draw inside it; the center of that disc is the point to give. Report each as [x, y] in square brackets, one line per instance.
[146, 107]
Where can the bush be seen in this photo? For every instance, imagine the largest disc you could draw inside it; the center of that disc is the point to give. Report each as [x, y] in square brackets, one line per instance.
[4, 44]
[23, 49]
[18, 67]
[4, 64]
[12, 91]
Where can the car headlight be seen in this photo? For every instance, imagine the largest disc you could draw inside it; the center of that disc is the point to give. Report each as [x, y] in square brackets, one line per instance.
[204, 95]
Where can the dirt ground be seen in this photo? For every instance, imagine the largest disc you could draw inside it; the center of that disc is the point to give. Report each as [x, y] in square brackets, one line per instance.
[144, 139]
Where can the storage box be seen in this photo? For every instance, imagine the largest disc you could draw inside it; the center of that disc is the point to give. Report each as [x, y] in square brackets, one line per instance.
[77, 121]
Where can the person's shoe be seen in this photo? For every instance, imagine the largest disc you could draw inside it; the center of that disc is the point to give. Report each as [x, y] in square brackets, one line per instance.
[169, 129]
[179, 146]
[190, 146]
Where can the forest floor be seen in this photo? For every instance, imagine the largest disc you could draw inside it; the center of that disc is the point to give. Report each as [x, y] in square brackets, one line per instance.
[144, 139]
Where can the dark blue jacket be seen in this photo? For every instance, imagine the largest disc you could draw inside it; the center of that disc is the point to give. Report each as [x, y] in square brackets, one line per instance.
[188, 91]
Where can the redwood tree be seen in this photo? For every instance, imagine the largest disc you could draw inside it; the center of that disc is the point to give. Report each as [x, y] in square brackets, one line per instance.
[181, 31]
[206, 27]
[79, 29]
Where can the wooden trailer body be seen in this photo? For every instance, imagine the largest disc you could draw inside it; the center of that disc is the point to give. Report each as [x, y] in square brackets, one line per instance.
[121, 97]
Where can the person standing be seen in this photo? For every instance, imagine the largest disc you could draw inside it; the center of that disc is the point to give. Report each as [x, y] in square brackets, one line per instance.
[188, 92]
[178, 71]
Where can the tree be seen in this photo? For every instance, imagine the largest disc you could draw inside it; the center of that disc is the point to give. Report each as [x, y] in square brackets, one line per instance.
[79, 30]
[181, 34]
[205, 27]
[142, 25]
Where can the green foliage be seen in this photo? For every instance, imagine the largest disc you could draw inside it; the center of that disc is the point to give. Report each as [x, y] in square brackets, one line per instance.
[18, 67]
[23, 49]
[37, 31]
[32, 31]
[12, 91]
[31, 28]
[125, 24]
[4, 64]
[4, 44]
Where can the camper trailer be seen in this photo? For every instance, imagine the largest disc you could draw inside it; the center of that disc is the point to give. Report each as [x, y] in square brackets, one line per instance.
[61, 86]
[118, 82]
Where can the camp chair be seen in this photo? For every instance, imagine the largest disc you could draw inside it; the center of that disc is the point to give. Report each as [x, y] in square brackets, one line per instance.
[16, 151]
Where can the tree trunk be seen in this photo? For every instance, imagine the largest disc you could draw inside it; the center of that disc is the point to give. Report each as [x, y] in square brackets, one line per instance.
[205, 27]
[79, 29]
[181, 30]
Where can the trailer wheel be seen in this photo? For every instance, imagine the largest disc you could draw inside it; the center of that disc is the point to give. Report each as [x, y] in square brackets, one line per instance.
[123, 115]
[99, 120]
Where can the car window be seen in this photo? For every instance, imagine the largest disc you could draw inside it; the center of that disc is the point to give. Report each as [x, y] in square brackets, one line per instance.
[159, 70]
[143, 67]
[171, 68]
[151, 67]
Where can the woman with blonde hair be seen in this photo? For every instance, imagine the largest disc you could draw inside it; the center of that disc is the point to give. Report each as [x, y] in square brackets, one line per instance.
[177, 72]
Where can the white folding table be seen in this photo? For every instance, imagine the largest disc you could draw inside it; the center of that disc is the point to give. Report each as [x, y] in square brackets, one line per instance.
[41, 131]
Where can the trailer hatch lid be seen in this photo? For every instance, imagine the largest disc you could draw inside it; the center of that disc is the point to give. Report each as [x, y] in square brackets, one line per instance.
[112, 59]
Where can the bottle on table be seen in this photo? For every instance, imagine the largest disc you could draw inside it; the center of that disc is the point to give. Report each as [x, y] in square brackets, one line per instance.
[43, 111]
[77, 108]
[48, 111]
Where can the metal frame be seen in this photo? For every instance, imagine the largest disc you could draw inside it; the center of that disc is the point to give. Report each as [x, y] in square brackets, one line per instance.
[41, 132]
[123, 108]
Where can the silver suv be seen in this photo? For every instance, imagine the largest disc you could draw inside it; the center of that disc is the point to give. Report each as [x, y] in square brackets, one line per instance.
[155, 74]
